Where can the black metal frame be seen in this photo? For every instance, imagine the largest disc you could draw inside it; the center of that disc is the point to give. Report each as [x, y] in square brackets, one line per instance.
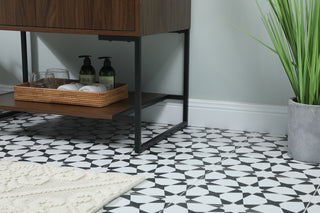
[24, 56]
[138, 106]
[139, 146]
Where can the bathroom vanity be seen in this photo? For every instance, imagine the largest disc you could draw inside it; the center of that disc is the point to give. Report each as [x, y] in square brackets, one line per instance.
[120, 20]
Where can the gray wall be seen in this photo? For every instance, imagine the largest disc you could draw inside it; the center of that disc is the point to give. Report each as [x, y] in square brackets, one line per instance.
[228, 65]
[225, 64]
[10, 58]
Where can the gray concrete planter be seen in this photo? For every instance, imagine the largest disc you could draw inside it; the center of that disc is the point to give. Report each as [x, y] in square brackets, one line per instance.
[304, 132]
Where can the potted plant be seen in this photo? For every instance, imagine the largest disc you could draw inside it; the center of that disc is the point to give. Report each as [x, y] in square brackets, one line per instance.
[293, 26]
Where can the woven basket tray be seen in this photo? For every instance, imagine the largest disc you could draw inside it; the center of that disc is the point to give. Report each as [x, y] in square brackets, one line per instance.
[23, 92]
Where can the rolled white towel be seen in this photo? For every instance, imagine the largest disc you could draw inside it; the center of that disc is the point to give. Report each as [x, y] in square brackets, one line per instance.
[74, 87]
[94, 88]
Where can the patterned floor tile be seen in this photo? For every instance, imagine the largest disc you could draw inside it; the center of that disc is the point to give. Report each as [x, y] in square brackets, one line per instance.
[195, 170]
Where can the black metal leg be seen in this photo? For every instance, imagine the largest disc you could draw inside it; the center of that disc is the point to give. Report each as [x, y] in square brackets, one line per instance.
[138, 106]
[138, 91]
[186, 75]
[139, 147]
[24, 56]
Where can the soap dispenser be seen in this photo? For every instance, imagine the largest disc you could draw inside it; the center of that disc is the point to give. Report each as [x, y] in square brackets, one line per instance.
[87, 73]
[107, 75]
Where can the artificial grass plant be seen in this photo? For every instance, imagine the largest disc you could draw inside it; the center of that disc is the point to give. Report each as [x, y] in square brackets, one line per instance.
[293, 26]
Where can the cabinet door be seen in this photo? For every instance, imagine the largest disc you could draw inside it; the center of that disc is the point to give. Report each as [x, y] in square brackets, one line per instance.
[17, 12]
[86, 14]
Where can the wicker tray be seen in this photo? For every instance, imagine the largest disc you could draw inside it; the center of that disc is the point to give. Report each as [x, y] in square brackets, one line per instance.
[23, 92]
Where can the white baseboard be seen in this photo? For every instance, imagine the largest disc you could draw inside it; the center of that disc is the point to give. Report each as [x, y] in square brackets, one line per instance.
[6, 88]
[225, 115]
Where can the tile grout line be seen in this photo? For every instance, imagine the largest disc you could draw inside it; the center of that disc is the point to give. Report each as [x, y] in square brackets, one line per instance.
[313, 195]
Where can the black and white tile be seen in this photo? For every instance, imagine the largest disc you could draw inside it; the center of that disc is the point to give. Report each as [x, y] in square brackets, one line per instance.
[195, 170]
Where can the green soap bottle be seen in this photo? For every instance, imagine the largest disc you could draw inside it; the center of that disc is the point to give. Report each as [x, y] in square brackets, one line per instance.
[87, 73]
[107, 75]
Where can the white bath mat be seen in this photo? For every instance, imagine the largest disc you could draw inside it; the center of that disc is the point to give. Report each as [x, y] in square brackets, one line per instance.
[29, 187]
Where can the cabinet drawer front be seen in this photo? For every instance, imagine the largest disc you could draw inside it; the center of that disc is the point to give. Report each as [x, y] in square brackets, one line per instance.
[17, 12]
[86, 14]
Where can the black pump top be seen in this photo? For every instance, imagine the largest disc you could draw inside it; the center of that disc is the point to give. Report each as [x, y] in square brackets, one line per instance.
[107, 62]
[86, 60]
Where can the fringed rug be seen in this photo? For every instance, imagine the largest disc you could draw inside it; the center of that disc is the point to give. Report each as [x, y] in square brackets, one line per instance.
[28, 187]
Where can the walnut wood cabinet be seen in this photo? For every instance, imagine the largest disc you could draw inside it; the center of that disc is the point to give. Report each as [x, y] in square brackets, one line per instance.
[103, 17]
[124, 20]
[17, 13]
[111, 15]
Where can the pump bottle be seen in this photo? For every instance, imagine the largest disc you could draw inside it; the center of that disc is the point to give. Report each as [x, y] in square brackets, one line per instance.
[87, 75]
[107, 75]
